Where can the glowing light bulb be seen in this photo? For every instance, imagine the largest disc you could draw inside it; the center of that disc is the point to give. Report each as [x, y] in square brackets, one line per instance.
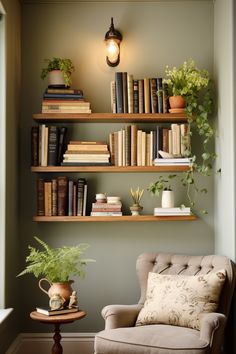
[112, 51]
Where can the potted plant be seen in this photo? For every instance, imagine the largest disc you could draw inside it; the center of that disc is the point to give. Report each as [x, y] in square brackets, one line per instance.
[136, 196]
[194, 85]
[162, 186]
[56, 266]
[59, 71]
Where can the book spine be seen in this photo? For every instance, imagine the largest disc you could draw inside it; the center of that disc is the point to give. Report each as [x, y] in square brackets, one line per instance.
[85, 199]
[119, 92]
[128, 145]
[136, 104]
[61, 144]
[125, 92]
[116, 153]
[144, 149]
[146, 96]
[130, 88]
[165, 98]
[112, 147]
[153, 95]
[40, 197]
[34, 146]
[80, 196]
[74, 210]
[48, 198]
[52, 145]
[62, 186]
[54, 197]
[134, 145]
[113, 97]
[70, 197]
[159, 95]
[64, 91]
[64, 96]
[139, 147]
[140, 96]
[165, 139]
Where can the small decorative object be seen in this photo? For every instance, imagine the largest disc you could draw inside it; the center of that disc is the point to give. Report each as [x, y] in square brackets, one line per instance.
[136, 195]
[56, 265]
[167, 199]
[59, 71]
[113, 199]
[101, 197]
[113, 38]
[73, 300]
[56, 302]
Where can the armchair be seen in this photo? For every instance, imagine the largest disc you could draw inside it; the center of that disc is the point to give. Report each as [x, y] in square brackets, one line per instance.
[122, 335]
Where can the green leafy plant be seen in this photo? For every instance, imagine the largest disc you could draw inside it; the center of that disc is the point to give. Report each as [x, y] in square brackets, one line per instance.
[161, 184]
[196, 88]
[56, 264]
[64, 65]
[136, 195]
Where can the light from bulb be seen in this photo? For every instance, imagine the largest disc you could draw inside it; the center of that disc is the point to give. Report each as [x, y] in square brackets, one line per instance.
[112, 51]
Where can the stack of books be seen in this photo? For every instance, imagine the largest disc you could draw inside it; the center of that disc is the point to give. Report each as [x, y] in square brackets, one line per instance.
[182, 161]
[61, 196]
[86, 153]
[64, 100]
[130, 95]
[172, 211]
[49, 312]
[111, 207]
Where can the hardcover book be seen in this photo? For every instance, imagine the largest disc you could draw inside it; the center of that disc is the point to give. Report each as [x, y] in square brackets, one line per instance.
[48, 312]
[119, 92]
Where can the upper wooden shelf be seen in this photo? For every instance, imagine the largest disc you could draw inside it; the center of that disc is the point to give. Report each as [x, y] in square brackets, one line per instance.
[130, 218]
[172, 168]
[110, 117]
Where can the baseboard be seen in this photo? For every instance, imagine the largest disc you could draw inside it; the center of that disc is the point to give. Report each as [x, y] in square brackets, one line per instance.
[38, 343]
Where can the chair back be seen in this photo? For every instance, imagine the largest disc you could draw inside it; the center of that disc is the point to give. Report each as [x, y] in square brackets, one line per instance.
[172, 264]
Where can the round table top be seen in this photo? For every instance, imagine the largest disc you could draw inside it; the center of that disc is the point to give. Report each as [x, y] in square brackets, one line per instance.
[64, 318]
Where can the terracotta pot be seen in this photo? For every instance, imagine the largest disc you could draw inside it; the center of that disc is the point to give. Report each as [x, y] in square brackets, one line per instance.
[64, 289]
[177, 102]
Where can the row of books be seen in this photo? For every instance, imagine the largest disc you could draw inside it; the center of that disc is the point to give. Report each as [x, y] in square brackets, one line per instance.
[47, 145]
[134, 147]
[61, 196]
[130, 95]
[86, 153]
[62, 100]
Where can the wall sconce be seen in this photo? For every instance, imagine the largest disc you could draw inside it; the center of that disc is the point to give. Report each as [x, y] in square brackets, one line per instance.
[113, 39]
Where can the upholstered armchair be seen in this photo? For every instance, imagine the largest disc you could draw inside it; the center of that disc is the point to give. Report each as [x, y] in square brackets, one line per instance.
[142, 329]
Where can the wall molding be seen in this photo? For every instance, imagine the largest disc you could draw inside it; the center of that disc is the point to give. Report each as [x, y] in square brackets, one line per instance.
[38, 343]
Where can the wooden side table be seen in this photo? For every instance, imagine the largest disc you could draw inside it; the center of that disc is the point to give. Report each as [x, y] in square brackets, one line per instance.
[57, 321]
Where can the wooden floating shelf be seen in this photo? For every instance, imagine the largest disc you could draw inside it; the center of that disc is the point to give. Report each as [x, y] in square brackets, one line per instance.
[110, 117]
[172, 168]
[129, 218]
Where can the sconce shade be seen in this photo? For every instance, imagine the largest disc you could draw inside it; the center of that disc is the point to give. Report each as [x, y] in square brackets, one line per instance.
[113, 38]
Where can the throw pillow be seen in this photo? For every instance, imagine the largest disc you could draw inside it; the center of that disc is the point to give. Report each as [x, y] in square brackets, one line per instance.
[180, 300]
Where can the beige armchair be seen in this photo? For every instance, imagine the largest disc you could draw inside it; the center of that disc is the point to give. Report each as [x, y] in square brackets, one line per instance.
[123, 336]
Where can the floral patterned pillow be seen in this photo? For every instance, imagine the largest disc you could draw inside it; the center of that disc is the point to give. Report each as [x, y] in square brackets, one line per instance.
[180, 300]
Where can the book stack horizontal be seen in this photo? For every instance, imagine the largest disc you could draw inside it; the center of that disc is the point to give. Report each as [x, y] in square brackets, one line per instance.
[184, 161]
[62, 100]
[172, 211]
[47, 145]
[85, 153]
[111, 206]
[49, 312]
[61, 196]
[143, 95]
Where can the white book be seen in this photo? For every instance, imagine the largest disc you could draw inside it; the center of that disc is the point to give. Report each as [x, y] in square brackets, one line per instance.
[106, 213]
[113, 96]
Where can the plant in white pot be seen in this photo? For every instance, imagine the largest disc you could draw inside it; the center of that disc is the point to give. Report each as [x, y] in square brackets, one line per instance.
[56, 266]
[162, 186]
[59, 71]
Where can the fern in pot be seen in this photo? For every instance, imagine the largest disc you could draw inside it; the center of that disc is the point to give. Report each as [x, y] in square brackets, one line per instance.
[56, 266]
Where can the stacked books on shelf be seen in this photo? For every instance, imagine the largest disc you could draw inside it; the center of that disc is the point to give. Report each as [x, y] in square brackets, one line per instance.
[64, 100]
[172, 211]
[47, 145]
[182, 161]
[111, 206]
[134, 147]
[49, 312]
[131, 95]
[61, 196]
[86, 153]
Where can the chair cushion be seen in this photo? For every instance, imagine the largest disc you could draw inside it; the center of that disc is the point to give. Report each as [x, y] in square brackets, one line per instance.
[152, 339]
[180, 300]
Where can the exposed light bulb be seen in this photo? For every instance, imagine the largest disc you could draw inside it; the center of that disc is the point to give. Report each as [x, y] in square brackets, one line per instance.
[112, 51]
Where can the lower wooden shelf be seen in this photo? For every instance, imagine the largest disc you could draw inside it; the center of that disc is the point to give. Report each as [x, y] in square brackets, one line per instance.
[129, 218]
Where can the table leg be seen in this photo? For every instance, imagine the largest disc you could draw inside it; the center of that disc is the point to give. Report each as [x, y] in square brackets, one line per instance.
[57, 348]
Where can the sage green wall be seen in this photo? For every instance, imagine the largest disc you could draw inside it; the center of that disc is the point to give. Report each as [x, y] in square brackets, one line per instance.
[155, 34]
[9, 328]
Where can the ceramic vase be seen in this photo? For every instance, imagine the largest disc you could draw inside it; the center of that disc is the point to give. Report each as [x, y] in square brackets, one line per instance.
[55, 78]
[167, 199]
[64, 289]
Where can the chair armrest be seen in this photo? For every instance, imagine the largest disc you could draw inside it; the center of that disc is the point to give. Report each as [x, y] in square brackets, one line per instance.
[212, 329]
[116, 316]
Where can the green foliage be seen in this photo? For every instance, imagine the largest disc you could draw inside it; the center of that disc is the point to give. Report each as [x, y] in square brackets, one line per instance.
[56, 264]
[162, 184]
[64, 65]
